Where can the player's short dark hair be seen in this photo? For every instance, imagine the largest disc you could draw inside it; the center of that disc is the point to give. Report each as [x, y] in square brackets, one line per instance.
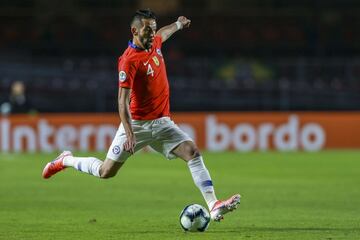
[142, 14]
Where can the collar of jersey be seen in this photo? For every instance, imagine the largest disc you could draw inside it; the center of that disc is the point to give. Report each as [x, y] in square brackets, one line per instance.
[132, 45]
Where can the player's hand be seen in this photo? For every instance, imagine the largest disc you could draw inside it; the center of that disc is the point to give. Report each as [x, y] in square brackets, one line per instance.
[130, 143]
[184, 21]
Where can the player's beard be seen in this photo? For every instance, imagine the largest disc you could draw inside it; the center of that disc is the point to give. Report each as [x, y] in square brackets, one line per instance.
[146, 42]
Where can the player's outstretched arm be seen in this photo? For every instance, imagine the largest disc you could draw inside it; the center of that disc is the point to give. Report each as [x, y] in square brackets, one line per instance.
[124, 112]
[167, 31]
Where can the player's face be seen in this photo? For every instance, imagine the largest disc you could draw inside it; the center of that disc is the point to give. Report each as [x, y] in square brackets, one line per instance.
[147, 33]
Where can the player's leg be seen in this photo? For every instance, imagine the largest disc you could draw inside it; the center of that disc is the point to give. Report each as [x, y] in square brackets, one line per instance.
[172, 142]
[115, 158]
[189, 153]
[89, 165]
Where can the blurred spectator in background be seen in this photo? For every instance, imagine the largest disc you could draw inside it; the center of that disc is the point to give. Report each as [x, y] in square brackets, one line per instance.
[18, 102]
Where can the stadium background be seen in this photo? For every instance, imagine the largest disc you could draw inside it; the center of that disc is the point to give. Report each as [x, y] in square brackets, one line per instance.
[238, 55]
[248, 76]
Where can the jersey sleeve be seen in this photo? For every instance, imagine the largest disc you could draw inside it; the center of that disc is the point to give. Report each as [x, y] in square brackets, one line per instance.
[127, 71]
[158, 41]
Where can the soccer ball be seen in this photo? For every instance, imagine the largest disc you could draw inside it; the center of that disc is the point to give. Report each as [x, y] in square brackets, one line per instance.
[194, 218]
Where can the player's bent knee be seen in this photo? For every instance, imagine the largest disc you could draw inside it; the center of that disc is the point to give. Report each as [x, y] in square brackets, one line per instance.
[191, 152]
[187, 151]
[195, 153]
[110, 168]
[107, 174]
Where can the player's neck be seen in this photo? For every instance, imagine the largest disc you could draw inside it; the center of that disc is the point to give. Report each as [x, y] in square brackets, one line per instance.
[138, 44]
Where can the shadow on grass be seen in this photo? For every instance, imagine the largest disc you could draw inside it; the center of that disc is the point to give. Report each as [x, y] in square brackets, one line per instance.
[284, 229]
[249, 230]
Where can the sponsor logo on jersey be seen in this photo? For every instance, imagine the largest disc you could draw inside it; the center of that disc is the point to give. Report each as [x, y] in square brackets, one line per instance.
[122, 76]
[158, 51]
[156, 61]
[116, 150]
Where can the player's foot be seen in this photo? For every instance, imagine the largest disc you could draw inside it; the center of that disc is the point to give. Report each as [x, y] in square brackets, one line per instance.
[220, 208]
[55, 166]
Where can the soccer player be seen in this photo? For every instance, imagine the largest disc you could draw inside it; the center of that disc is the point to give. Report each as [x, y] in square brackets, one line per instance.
[144, 111]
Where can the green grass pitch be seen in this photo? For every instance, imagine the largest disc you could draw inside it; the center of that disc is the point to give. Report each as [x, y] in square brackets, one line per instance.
[284, 196]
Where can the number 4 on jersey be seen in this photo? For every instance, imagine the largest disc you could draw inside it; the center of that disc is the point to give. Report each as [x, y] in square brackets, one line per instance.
[150, 71]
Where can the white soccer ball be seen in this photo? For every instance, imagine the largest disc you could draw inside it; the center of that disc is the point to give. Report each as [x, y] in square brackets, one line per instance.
[194, 218]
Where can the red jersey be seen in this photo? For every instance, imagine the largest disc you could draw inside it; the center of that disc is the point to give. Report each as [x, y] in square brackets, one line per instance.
[144, 72]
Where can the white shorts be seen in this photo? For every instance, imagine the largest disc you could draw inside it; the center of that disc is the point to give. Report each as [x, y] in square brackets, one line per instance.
[161, 134]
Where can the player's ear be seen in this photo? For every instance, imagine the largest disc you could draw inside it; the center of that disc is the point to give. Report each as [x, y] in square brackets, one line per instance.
[134, 31]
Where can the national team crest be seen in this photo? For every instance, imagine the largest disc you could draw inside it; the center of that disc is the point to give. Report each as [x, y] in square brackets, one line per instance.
[122, 76]
[158, 51]
[156, 61]
[116, 150]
